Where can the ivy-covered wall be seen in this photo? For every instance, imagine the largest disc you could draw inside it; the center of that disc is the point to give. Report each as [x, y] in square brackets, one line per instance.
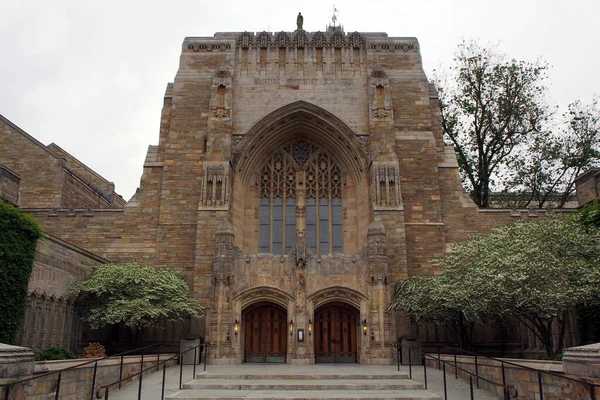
[18, 236]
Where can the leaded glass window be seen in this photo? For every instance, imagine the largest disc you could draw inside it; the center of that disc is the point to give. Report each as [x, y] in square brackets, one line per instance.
[279, 189]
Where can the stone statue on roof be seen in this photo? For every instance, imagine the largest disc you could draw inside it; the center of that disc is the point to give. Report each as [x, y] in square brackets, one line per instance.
[299, 21]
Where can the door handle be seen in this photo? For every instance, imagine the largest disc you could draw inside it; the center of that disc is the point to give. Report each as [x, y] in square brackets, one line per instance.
[268, 340]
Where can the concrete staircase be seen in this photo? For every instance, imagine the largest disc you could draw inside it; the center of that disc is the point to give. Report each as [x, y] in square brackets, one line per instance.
[303, 382]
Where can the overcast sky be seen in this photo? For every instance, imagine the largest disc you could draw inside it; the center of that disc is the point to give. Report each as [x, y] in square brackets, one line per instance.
[90, 75]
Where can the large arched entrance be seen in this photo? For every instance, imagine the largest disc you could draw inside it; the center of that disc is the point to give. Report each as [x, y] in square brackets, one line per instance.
[265, 339]
[336, 333]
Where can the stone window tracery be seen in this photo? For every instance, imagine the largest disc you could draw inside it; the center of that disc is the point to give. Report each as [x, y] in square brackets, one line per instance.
[300, 191]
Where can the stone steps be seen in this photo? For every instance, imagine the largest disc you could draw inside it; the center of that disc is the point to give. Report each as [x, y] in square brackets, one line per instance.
[309, 384]
[304, 395]
[298, 377]
[303, 384]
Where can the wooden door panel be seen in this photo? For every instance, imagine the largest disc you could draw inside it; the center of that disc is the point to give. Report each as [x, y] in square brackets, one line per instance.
[335, 335]
[265, 339]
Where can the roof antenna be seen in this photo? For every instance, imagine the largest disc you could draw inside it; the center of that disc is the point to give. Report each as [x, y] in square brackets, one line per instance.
[333, 26]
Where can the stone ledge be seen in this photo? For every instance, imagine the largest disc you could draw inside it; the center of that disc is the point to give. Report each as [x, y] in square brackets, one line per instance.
[583, 361]
[15, 361]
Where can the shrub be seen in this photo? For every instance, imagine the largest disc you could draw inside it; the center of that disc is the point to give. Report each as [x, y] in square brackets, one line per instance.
[54, 353]
[94, 350]
[18, 238]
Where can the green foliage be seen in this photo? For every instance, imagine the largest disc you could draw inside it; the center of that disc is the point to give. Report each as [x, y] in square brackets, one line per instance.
[54, 353]
[18, 237]
[490, 105]
[134, 295]
[589, 216]
[532, 271]
[588, 312]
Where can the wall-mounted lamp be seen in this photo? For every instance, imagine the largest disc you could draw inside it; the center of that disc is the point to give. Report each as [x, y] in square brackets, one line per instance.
[364, 326]
[291, 327]
[309, 327]
[236, 327]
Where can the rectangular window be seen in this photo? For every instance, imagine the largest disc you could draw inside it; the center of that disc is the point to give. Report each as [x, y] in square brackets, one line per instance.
[323, 226]
[264, 216]
[277, 226]
[336, 224]
[311, 224]
[290, 224]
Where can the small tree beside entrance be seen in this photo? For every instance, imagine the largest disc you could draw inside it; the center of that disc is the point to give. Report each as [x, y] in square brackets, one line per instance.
[535, 272]
[134, 295]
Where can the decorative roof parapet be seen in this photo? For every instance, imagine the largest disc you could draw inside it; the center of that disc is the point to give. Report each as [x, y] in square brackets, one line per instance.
[301, 39]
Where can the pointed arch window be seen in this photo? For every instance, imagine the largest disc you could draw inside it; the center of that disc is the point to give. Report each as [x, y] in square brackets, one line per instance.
[279, 216]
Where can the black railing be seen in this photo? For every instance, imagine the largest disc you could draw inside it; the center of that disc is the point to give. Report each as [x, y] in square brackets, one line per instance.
[591, 387]
[198, 350]
[7, 386]
[506, 389]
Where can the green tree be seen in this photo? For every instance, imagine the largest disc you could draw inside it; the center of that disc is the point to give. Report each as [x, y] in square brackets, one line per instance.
[18, 238]
[588, 312]
[534, 272]
[134, 295]
[547, 167]
[432, 299]
[490, 106]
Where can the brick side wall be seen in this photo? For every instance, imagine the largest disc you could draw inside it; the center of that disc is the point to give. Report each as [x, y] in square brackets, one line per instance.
[9, 185]
[89, 177]
[77, 194]
[39, 169]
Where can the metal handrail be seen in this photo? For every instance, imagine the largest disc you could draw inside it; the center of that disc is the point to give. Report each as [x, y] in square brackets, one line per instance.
[592, 386]
[506, 388]
[179, 356]
[60, 371]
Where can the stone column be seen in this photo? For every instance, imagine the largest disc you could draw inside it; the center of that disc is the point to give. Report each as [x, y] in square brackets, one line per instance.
[378, 320]
[221, 326]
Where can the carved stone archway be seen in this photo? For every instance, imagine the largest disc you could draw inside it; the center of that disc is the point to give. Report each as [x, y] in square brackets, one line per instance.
[247, 298]
[299, 120]
[337, 294]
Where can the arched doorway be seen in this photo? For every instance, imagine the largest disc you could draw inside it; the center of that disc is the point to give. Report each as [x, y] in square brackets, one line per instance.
[336, 333]
[265, 338]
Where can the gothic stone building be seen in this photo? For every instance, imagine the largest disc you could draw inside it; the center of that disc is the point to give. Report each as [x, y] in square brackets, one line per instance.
[297, 177]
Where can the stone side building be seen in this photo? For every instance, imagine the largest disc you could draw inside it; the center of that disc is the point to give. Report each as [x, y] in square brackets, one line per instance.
[297, 176]
[48, 178]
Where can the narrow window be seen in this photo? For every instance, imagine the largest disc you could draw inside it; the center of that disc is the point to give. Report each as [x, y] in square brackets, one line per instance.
[209, 191]
[380, 96]
[219, 191]
[221, 96]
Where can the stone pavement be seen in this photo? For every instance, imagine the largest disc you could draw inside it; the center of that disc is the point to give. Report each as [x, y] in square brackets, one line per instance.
[151, 384]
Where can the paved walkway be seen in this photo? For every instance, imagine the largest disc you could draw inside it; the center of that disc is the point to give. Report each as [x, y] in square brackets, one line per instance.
[152, 384]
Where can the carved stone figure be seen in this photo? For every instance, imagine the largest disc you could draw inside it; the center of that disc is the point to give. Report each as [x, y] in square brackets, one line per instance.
[299, 21]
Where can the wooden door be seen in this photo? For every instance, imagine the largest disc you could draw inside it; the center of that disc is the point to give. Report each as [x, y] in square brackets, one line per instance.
[336, 334]
[265, 335]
